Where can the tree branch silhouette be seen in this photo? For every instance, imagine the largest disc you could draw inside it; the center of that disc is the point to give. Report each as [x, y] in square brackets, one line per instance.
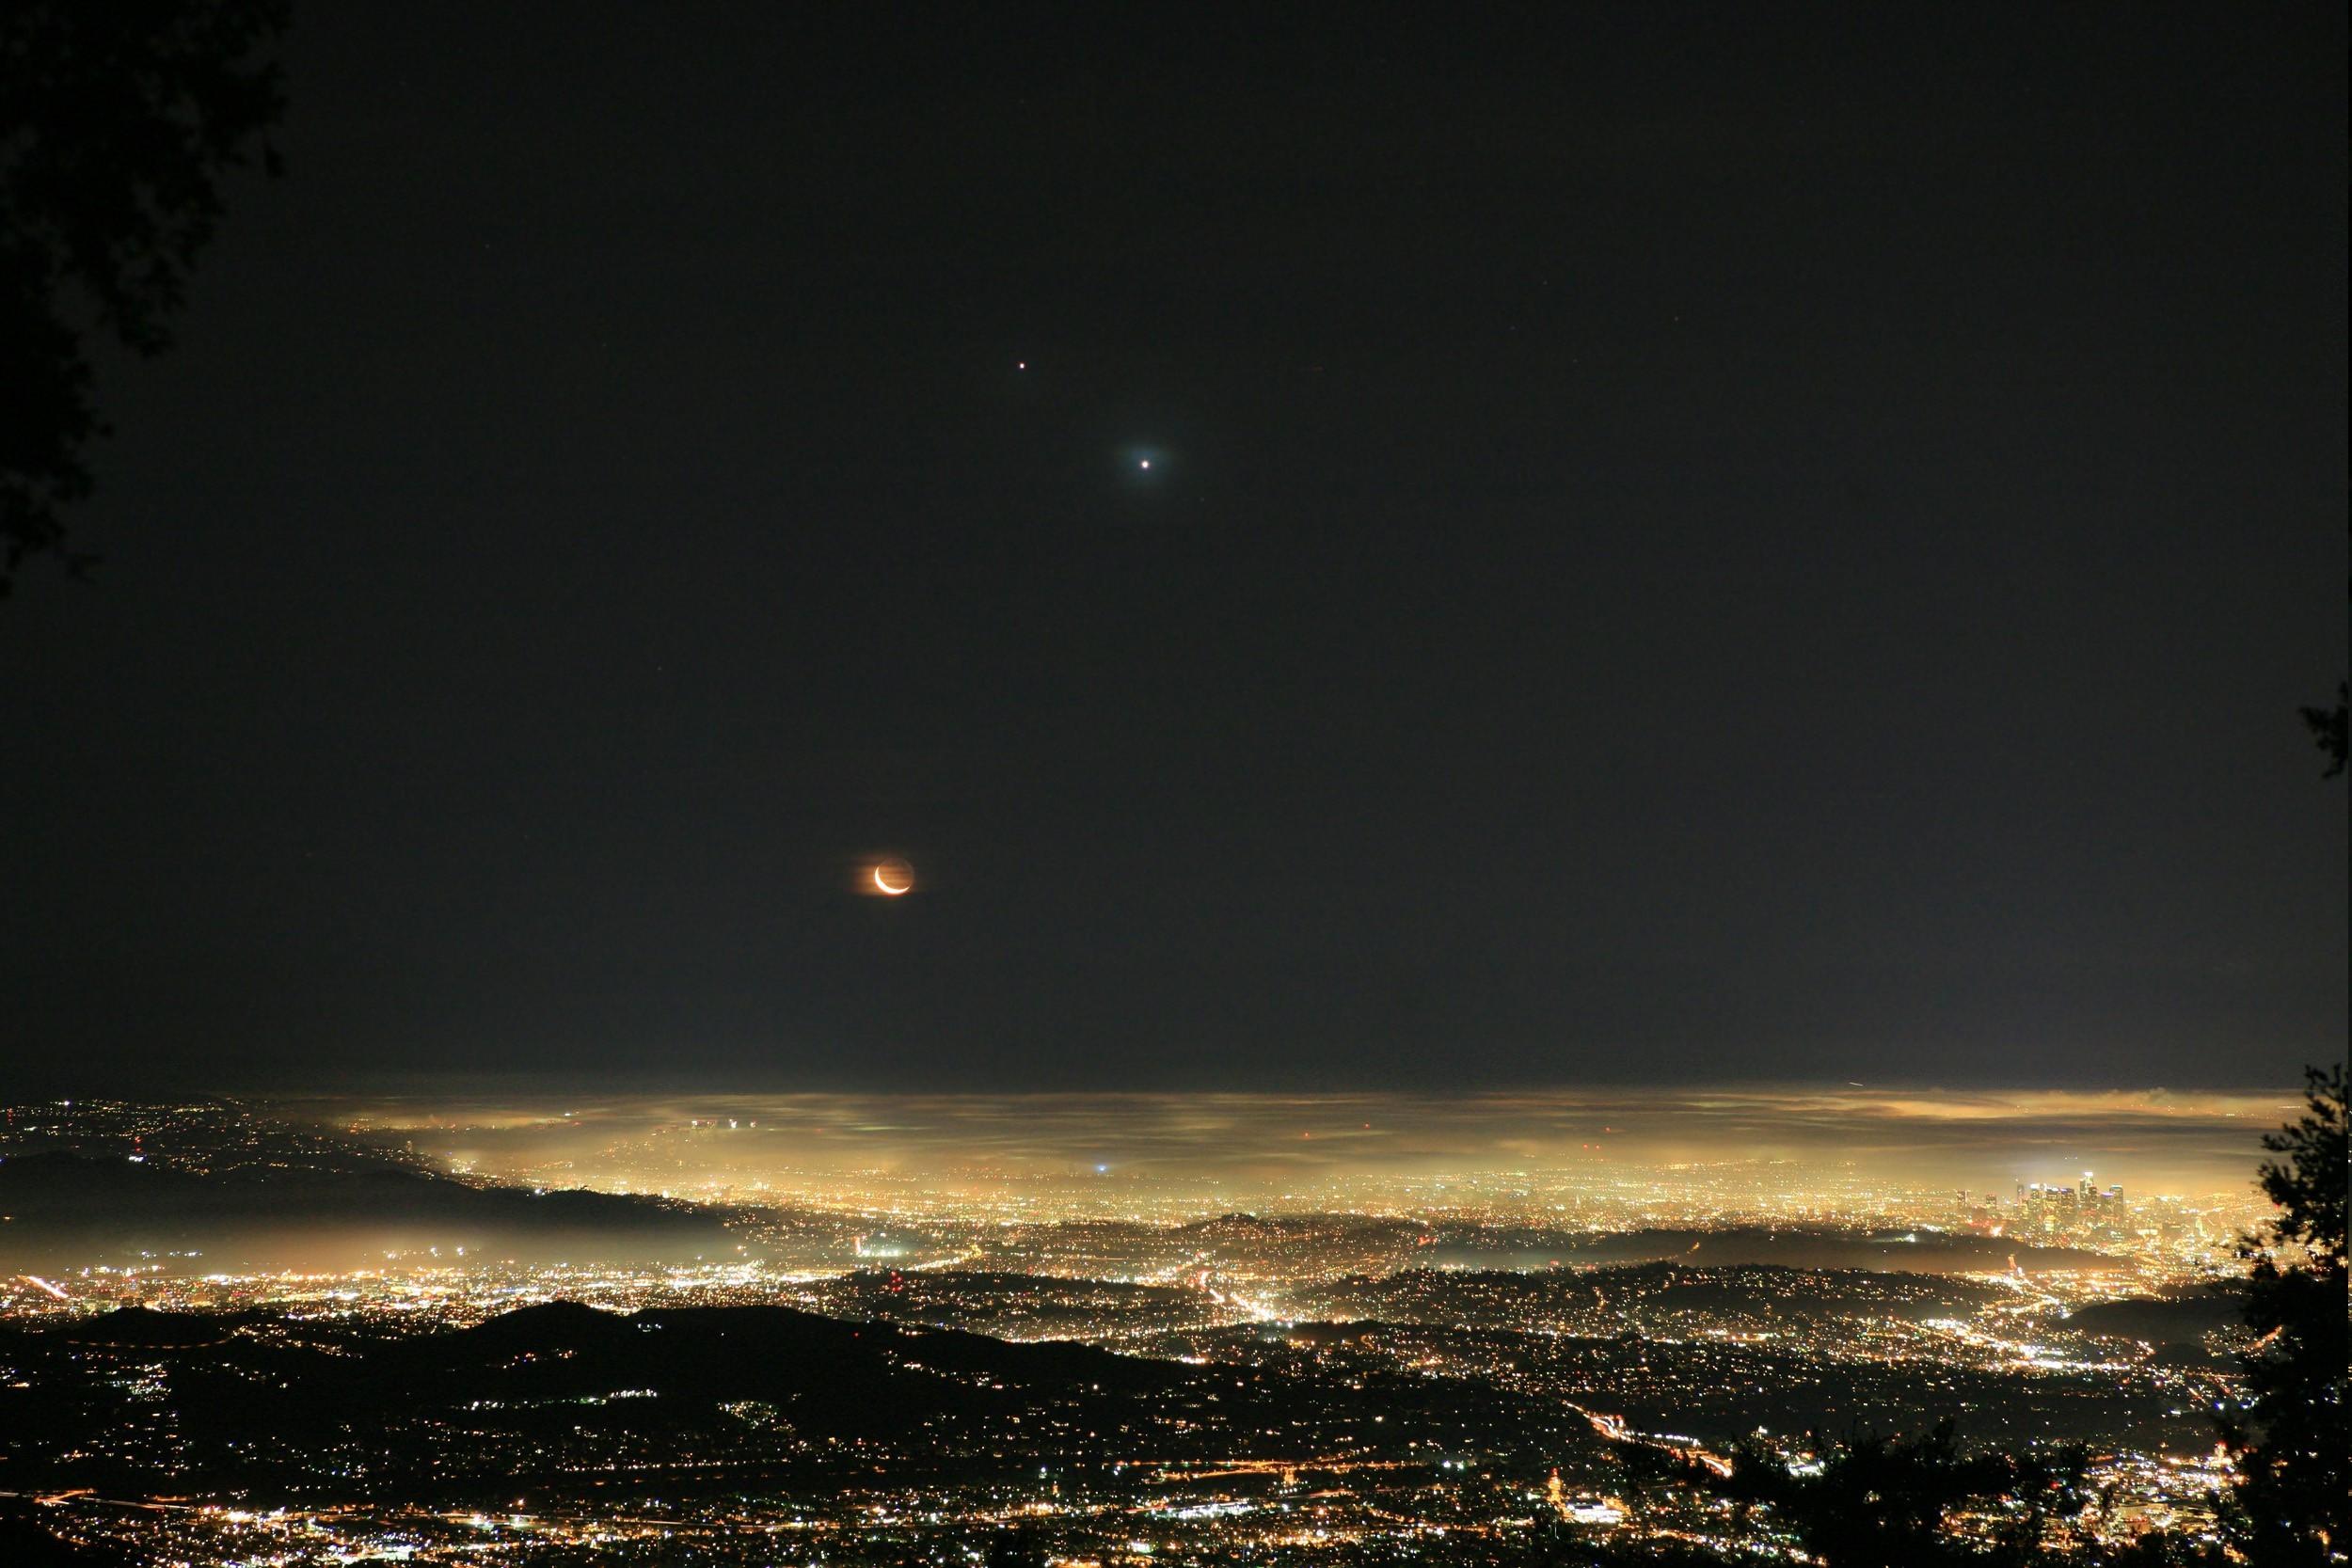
[118, 122]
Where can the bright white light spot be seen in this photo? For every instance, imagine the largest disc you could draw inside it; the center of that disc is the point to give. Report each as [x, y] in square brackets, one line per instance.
[1146, 462]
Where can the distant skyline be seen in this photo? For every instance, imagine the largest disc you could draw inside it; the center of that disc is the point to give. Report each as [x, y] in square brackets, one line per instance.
[1634, 544]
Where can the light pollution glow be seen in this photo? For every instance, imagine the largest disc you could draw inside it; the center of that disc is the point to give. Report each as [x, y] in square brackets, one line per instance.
[2151, 1140]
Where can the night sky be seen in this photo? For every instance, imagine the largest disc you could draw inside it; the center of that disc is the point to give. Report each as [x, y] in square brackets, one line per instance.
[1682, 544]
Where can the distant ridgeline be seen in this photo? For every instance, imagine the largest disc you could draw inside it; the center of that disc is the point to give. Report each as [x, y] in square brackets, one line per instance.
[1902, 1252]
[118, 1184]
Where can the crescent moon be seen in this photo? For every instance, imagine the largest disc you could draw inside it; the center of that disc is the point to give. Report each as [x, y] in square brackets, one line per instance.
[882, 883]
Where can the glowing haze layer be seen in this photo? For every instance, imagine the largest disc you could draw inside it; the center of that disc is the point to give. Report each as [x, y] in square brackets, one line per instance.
[722, 1144]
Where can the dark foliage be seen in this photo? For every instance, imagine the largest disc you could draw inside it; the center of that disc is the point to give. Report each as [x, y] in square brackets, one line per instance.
[2327, 725]
[117, 122]
[1883, 1502]
[2292, 1467]
[1880, 1502]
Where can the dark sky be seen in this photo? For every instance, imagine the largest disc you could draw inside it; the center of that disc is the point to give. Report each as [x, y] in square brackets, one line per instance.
[1730, 543]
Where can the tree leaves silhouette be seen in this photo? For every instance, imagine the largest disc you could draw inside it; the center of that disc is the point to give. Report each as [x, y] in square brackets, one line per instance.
[118, 122]
[2293, 1477]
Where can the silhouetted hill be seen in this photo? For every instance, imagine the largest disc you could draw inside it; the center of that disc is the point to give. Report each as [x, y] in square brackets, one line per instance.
[823, 1376]
[1241, 1238]
[1908, 1252]
[1732, 1296]
[703, 1396]
[66, 1204]
[143, 1328]
[2185, 1318]
[747, 1352]
[553, 1325]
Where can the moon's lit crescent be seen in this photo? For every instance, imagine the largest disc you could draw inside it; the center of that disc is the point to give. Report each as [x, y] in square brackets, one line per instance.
[882, 883]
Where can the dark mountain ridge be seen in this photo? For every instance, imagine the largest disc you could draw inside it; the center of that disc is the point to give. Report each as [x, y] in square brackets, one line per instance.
[65, 1204]
[558, 1395]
